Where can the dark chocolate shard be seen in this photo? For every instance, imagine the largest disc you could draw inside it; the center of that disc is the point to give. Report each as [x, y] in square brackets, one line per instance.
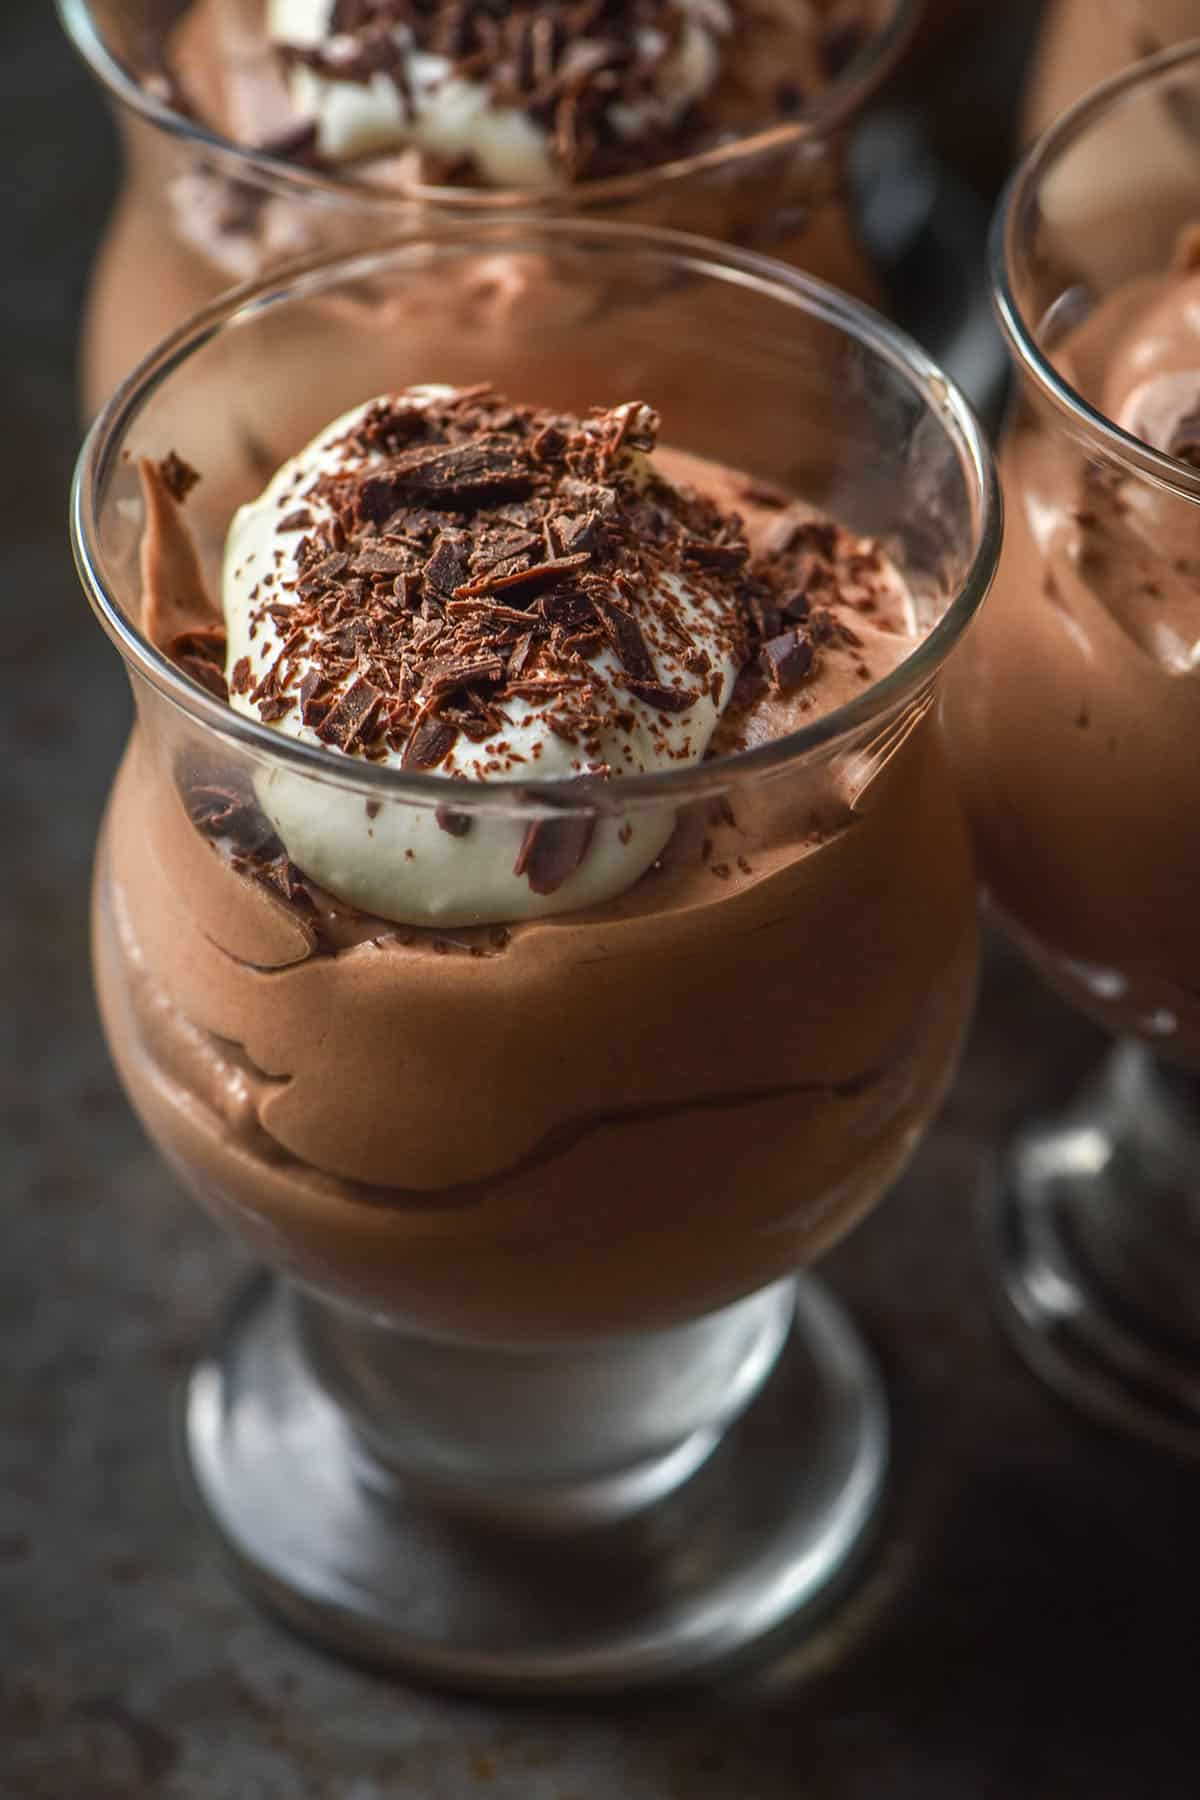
[273, 707]
[178, 477]
[576, 531]
[447, 568]
[460, 671]
[351, 720]
[552, 850]
[663, 699]
[385, 559]
[550, 445]
[625, 635]
[787, 659]
[201, 654]
[521, 654]
[322, 577]
[429, 745]
[296, 142]
[455, 824]
[701, 555]
[316, 698]
[529, 581]
[207, 674]
[452, 475]
[219, 811]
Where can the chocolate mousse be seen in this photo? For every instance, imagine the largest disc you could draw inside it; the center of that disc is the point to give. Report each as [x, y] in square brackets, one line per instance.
[1075, 712]
[405, 116]
[1083, 42]
[523, 1075]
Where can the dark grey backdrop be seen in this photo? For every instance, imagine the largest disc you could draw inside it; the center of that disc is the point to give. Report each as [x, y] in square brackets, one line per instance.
[1028, 1632]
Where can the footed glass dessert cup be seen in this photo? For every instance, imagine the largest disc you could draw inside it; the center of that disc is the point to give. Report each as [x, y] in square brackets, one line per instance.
[534, 1397]
[203, 212]
[1074, 716]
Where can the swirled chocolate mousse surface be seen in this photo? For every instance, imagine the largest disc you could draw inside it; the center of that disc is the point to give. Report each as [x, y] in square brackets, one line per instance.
[1078, 713]
[493, 1114]
[1085, 42]
[536, 94]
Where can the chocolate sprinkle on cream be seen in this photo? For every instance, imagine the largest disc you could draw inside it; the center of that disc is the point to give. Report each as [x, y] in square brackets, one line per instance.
[552, 850]
[468, 553]
[178, 477]
[456, 584]
[787, 659]
[201, 654]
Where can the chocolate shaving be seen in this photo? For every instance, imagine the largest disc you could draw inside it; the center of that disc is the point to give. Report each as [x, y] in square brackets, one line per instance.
[447, 568]
[178, 477]
[282, 876]
[323, 575]
[625, 635]
[552, 850]
[275, 706]
[787, 659]
[316, 698]
[456, 476]
[522, 651]
[201, 654]
[430, 744]
[447, 677]
[293, 143]
[663, 699]
[455, 824]
[473, 570]
[531, 580]
[384, 559]
[351, 720]
[220, 811]
[207, 674]
[728, 557]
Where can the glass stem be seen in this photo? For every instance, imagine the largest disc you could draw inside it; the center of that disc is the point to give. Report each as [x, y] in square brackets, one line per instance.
[627, 1420]
[1140, 1233]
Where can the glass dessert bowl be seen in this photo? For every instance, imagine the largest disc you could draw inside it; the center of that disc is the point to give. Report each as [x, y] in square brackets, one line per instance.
[1072, 716]
[1084, 42]
[501, 975]
[759, 158]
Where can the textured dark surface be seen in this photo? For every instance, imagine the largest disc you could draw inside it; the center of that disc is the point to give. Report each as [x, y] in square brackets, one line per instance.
[1029, 1627]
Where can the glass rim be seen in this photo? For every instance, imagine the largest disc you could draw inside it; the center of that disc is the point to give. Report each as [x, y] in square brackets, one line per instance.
[1016, 206]
[105, 444]
[835, 102]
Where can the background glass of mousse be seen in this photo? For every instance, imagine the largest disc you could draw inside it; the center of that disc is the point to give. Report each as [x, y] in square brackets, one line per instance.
[536, 1399]
[198, 214]
[1083, 42]
[1074, 715]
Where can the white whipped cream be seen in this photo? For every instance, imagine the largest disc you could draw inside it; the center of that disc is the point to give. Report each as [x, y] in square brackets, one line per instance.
[395, 860]
[451, 117]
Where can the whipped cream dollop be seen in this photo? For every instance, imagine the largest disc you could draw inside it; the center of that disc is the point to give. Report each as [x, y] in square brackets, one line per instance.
[503, 92]
[444, 582]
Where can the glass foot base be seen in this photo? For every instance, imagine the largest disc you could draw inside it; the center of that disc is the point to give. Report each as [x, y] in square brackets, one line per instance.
[754, 1529]
[1092, 1247]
